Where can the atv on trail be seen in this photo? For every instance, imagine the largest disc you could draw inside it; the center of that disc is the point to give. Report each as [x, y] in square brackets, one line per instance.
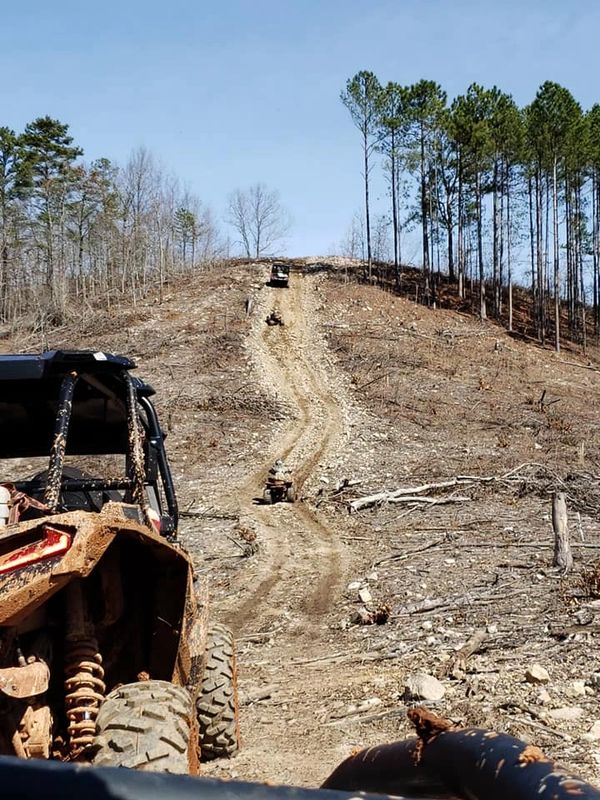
[274, 318]
[280, 485]
[280, 274]
[106, 655]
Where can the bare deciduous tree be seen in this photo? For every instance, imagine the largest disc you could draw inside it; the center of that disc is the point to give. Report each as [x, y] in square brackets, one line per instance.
[259, 219]
[354, 243]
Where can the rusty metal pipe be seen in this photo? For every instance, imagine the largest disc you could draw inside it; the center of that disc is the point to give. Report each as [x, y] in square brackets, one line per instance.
[468, 764]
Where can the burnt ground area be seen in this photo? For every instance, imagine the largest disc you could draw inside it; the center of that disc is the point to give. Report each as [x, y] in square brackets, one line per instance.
[363, 392]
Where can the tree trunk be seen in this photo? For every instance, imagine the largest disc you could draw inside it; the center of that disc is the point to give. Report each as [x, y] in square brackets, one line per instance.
[367, 211]
[556, 257]
[495, 269]
[424, 220]
[534, 308]
[595, 249]
[450, 230]
[503, 180]
[482, 308]
[460, 234]
[508, 254]
[395, 209]
[563, 557]
[540, 259]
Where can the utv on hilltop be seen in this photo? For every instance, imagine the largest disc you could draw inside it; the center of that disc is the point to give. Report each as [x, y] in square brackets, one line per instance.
[280, 274]
[106, 654]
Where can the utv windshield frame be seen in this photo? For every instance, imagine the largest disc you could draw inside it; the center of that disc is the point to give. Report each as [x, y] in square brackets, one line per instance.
[63, 403]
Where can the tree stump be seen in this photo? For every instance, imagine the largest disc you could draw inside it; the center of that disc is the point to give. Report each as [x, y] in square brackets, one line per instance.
[563, 557]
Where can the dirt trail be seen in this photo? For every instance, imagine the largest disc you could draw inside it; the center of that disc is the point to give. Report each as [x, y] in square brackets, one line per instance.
[293, 541]
[282, 604]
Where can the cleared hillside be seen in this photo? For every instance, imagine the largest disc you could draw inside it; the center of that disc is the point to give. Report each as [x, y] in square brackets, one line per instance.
[364, 392]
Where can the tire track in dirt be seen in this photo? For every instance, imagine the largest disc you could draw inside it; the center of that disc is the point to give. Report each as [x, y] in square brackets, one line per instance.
[295, 543]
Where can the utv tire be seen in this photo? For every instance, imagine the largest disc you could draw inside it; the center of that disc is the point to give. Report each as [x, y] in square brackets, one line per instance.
[290, 494]
[217, 703]
[147, 726]
[268, 497]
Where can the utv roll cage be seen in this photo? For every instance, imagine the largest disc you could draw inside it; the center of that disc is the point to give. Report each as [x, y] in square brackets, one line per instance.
[67, 402]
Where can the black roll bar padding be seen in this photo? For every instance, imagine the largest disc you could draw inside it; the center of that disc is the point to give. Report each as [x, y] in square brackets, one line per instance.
[78, 485]
[59, 441]
[157, 441]
[31, 779]
[469, 764]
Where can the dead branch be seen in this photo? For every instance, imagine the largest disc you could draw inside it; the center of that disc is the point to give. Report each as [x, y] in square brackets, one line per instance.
[514, 475]
[540, 724]
[396, 712]
[374, 380]
[579, 366]
[403, 556]
[432, 501]
[456, 601]
[258, 695]
[458, 665]
[396, 496]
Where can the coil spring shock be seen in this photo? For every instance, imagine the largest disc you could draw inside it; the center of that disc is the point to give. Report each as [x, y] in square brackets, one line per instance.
[84, 689]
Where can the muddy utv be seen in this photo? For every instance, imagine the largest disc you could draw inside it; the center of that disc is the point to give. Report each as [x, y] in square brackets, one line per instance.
[106, 655]
[280, 485]
[280, 274]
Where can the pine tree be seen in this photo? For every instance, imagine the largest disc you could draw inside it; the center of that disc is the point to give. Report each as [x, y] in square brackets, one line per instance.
[426, 101]
[393, 123]
[47, 157]
[552, 117]
[362, 98]
[471, 130]
[9, 172]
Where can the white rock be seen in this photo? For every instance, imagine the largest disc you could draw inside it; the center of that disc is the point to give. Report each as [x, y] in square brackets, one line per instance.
[491, 629]
[364, 595]
[371, 702]
[536, 674]
[421, 686]
[594, 731]
[427, 625]
[584, 616]
[576, 689]
[544, 697]
[373, 577]
[567, 714]
[354, 586]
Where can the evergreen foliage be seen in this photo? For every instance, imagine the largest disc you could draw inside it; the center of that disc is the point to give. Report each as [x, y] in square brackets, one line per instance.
[489, 179]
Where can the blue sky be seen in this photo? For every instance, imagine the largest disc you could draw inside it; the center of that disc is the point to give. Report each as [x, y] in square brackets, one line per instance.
[230, 92]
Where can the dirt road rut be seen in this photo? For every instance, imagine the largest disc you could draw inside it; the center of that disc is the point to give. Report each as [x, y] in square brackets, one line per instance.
[294, 543]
